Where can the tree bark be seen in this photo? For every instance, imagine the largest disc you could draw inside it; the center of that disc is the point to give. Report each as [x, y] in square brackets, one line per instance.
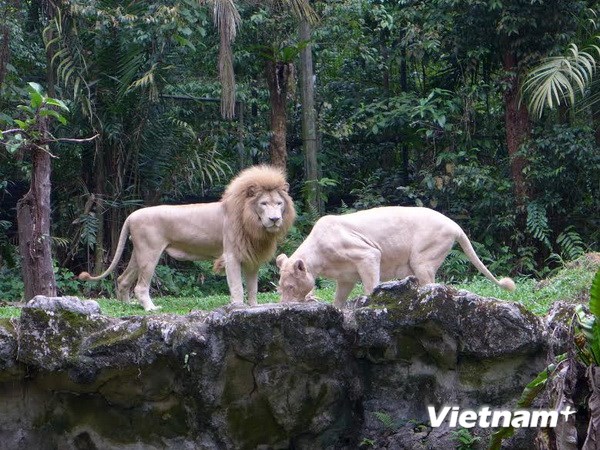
[595, 106]
[404, 147]
[33, 210]
[517, 126]
[240, 130]
[4, 51]
[100, 181]
[309, 123]
[278, 75]
[33, 219]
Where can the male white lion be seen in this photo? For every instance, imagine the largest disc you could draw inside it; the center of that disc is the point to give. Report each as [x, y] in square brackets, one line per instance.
[374, 245]
[241, 231]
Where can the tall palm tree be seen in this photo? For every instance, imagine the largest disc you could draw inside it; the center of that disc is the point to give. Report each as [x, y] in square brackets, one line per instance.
[279, 67]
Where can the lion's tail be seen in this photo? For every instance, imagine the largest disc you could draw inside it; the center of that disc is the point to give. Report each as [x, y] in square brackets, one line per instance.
[219, 265]
[465, 243]
[118, 253]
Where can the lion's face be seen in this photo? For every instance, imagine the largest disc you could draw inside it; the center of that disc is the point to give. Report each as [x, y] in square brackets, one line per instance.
[270, 208]
[295, 281]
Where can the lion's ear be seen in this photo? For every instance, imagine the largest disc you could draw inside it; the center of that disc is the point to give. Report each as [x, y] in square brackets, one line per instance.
[281, 259]
[299, 266]
[251, 191]
[286, 187]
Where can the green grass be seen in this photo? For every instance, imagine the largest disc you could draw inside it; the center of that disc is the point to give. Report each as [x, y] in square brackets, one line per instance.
[571, 284]
[174, 305]
[184, 305]
[178, 305]
[7, 311]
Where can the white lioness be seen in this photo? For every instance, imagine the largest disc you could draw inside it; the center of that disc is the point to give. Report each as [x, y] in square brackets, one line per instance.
[374, 245]
[241, 231]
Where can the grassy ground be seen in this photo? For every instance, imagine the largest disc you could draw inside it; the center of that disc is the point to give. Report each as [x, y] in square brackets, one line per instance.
[570, 284]
[7, 310]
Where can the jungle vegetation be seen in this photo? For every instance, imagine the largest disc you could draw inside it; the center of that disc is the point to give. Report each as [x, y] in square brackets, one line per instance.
[485, 110]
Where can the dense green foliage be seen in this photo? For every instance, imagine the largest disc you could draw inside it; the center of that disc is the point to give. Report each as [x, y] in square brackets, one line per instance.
[411, 102]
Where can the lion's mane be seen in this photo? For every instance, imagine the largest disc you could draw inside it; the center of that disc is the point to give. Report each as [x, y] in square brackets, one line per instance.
[252, 241]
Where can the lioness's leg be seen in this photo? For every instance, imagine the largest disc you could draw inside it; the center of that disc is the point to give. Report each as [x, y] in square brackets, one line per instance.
[342, 291]
[126, 279]
[426, 263]
[425, 274]
[252, 285]
[233, 269]
[145, 272]
[368, 267]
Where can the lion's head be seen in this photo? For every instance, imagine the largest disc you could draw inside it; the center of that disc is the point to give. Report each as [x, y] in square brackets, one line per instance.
[258, 211]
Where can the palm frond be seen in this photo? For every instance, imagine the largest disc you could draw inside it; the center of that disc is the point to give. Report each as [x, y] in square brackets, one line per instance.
[227, 19]
[68, 60]
[301, 9]
[147, 81]
[557, 79]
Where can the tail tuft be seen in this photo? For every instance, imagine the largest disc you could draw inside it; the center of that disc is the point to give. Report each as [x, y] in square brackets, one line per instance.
[508, 284]
[84, 276]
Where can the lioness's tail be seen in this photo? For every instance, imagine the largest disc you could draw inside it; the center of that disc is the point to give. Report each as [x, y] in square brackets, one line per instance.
[118, 253]
[465, 243]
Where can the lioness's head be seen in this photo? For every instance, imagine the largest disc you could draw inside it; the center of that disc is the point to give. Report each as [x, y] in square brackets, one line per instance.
[295, 281]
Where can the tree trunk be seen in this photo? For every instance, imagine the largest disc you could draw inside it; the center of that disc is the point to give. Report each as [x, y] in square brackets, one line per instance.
[278, 75]
[240, 130]
[4, 51]
[100, 181]
[33, 210]
[33, 219]
[404, 147]
[116, 163]
[309, 123]
[595, 106]
[517, 127]
[385, 56]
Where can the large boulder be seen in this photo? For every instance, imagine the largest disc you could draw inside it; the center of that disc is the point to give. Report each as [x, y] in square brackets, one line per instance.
[304, 376]
[435, 346]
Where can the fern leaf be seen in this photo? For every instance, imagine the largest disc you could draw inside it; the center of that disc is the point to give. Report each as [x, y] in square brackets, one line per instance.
[537, 223]
[387, 420]
[570, 243]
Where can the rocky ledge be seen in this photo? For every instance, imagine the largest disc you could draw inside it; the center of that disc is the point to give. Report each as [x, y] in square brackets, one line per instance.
[302, 376]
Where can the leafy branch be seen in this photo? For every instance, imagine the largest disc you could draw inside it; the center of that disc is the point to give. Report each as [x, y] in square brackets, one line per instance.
[30, 131]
